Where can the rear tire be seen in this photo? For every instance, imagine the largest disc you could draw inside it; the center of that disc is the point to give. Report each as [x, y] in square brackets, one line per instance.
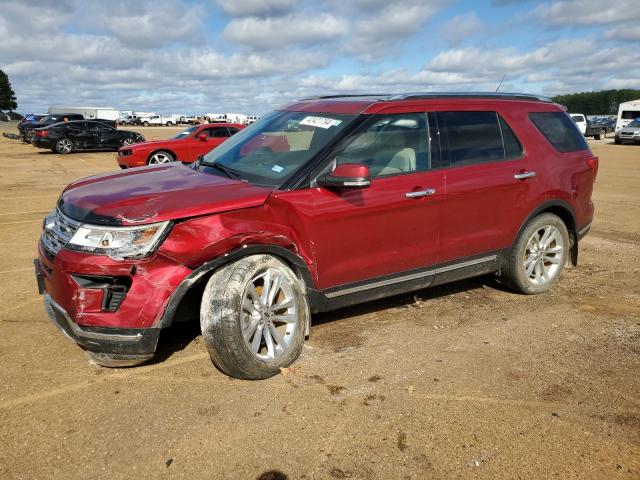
[538, 256]
[253, 317]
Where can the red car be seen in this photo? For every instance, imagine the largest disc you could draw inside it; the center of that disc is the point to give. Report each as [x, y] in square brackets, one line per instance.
[184, 147]
[326, 203]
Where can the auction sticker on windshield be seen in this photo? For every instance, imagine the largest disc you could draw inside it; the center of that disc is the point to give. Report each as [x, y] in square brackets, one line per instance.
[321, 122]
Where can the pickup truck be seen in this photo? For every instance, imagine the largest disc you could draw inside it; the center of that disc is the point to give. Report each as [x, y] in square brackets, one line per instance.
[597, 131]
[158, 120]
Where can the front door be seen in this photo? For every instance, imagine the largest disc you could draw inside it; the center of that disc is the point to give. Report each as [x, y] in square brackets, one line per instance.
[391, 227]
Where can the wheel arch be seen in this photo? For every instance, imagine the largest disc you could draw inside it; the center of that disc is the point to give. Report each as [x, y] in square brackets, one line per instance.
[563, 210]
[189, 290]
[168, 150]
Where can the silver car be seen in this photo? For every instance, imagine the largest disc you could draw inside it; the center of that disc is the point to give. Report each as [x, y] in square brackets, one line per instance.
[629, 134]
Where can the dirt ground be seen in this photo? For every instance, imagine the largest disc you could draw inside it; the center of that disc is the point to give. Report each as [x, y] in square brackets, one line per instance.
[462, 381]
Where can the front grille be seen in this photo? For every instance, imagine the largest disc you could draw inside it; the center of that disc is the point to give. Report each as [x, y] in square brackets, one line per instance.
[58, 233]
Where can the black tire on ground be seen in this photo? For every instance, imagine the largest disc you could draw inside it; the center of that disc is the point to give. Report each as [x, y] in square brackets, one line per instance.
[617, 142]
[601, 135]
[513, 275]
[220, 312]
[145, 124]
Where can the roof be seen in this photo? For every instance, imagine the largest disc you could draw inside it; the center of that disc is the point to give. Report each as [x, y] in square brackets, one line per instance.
[358, 103]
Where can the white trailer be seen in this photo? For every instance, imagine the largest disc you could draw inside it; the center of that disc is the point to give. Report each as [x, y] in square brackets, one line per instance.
[103, 113]
[627, 112]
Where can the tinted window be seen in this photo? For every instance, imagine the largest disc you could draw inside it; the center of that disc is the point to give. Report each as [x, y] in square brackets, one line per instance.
[560, 130]
[470, 137]
[98, 126]
[232, 130]
[577, 118]
[630, 114]
[512, 146]
[217, 132]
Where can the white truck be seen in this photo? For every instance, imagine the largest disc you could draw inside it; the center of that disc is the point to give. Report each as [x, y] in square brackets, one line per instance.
[159, 120]
[102, 113]
[627, 113]
[580, 120]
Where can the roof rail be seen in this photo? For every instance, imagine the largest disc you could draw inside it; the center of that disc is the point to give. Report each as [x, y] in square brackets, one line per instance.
[348, 95]
[492, 95]
[437, 95]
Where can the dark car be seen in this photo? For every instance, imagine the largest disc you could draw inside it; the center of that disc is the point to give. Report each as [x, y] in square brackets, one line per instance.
[66, 137]
[372, 196]
[27, 128]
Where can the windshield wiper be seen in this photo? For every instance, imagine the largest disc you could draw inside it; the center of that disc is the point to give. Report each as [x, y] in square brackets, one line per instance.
[228, 171]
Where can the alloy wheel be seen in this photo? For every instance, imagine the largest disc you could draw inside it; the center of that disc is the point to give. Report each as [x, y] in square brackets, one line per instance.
[269, 317]
[64, 145]
[128, 141]
[158, 158]
[543, 255]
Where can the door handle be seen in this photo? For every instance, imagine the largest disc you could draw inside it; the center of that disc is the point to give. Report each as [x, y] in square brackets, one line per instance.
[524, 175]
[421, 193]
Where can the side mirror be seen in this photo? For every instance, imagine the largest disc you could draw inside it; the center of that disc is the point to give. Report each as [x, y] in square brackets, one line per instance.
[202, 137]
[347, 175]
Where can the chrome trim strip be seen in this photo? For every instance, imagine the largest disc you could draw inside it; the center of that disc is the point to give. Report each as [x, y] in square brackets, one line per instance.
[584, 229]
[413, 276]
[77, 330]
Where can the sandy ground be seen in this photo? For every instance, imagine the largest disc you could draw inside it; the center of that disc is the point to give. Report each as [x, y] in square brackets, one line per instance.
[463, 381]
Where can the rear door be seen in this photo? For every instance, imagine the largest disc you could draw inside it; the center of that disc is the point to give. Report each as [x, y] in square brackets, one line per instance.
[490, 182]
[80, 135]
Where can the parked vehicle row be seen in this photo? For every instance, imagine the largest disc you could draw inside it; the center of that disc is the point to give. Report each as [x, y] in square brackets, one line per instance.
[323, 204]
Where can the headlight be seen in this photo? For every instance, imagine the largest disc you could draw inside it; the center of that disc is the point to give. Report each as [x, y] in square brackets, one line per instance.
[118, 242]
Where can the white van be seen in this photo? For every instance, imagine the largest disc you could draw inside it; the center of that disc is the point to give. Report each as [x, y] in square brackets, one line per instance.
[581, 121]
[627, 113]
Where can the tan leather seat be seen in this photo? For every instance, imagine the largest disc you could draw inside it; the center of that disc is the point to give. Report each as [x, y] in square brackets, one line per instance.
[393, 157]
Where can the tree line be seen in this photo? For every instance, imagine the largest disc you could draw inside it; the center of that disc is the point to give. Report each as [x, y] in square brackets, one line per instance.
[604, 102]
[7, 97]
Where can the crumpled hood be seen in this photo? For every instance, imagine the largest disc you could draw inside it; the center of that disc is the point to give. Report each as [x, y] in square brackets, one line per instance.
[154, 194]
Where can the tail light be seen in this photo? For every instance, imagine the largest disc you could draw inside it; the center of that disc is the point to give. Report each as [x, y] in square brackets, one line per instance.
[42, 133]
[592, 163]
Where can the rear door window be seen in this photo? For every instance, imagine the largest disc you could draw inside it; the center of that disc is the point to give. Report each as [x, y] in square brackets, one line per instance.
[559, 130]
[469, 138]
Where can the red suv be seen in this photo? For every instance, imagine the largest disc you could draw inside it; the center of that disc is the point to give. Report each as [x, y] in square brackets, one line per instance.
[184, 147]
[326, 203]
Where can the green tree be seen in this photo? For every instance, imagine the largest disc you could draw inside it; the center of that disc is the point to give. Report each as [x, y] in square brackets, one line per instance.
[604, 102]
[7, 97]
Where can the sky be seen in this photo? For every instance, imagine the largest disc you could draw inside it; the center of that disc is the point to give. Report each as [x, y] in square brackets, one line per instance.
[251, 56]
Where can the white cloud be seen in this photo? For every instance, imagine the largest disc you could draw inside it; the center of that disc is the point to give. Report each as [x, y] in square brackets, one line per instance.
[565, 13]
[291, 30]
[461, 27]
[254, 8]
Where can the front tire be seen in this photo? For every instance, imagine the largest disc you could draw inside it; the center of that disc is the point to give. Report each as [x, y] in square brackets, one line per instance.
[253, 317]
[160, 157]
[64, 146]
[538, 256]
[128, 141]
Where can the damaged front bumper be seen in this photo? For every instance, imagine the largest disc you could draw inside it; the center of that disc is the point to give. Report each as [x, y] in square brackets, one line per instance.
[128, 343]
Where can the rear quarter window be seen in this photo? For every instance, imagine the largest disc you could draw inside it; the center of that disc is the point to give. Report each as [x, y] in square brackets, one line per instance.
[559, 130]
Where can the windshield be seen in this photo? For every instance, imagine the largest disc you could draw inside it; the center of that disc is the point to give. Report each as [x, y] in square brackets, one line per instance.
[634, 124]
[185, 133]
[270, 150]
